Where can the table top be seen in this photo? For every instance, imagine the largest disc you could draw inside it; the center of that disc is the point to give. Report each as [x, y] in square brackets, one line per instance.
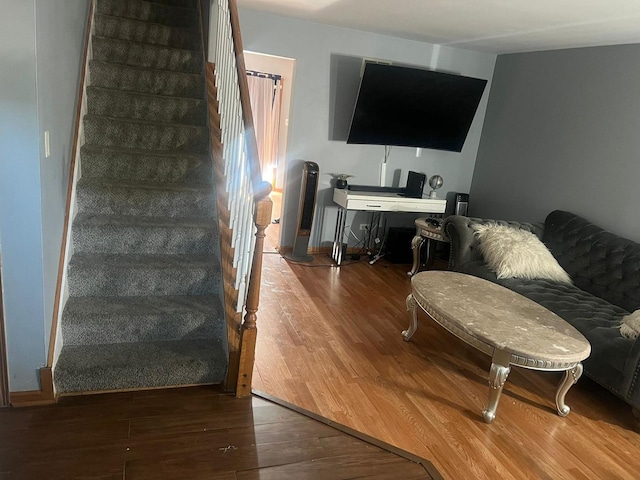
[386, 202]
[474, 308]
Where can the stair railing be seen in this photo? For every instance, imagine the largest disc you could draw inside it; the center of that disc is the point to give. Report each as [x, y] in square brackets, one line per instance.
[244, 206]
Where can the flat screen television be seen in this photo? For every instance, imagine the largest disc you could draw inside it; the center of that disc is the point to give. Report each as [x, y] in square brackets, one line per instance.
[412, 107]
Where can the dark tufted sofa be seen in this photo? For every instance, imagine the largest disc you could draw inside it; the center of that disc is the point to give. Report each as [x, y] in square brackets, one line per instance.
[605, 269]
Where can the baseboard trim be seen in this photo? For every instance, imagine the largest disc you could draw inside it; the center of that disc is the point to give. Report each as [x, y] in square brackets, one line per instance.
[316, 250]
[32, 398]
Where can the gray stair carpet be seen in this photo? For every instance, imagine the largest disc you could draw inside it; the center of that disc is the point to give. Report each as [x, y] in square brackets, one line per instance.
[144, 308]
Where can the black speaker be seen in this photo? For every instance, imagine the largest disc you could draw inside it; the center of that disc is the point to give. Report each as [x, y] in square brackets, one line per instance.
[458, 204]
[308, 194]
[398, 249]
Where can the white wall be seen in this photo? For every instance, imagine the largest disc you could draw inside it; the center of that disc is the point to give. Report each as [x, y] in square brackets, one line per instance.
[561, 132]
[20, 205]
[311, 128]
[39, 42]
[60, 44]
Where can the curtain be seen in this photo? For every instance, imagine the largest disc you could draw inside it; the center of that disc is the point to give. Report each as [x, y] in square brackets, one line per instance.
[265, 94]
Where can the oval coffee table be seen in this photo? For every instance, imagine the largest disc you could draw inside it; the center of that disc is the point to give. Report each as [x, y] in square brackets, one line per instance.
[499, 322]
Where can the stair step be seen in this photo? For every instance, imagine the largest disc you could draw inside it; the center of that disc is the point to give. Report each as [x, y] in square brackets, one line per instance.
[127, 133]
[156, 12]
[145, 80]
[145, 107]
[102, 320]
[99, 274]
[144, 283]
[139, 365]
[145, 166]
[143, 235]
[110, 198]
[133, 30]
[178, 3]
[146, 55]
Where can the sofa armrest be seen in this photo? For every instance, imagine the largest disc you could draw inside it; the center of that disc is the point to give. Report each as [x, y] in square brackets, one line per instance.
[464, 244]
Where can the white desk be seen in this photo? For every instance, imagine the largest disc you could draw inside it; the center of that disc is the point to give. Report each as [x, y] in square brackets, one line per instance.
[376, 202]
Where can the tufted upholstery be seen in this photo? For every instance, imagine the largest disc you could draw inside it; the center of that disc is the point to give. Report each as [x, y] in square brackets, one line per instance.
[605, 269]
[598, 261]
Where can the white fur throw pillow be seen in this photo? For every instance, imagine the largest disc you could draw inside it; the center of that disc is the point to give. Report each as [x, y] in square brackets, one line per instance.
[512, 252]
[630, 326]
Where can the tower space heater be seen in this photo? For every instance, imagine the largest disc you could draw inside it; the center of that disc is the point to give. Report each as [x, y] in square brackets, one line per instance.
[308, 194]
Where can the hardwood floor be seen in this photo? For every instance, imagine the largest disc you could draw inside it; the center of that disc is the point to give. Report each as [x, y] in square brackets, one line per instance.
[329, 341]
[186, 434]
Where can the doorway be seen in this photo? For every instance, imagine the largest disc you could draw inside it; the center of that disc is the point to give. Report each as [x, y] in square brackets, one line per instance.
[280, 71]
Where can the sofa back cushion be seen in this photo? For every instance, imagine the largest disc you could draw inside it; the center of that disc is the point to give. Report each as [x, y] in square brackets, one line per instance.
[599, 262]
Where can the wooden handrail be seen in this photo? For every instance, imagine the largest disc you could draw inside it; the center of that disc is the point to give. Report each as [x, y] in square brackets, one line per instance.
[247, 115]
[241, 333]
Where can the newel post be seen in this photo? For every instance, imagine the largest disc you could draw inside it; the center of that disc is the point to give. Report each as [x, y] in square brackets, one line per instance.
[249, 329]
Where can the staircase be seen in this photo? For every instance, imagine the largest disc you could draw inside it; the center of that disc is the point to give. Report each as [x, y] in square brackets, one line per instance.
[144, 305]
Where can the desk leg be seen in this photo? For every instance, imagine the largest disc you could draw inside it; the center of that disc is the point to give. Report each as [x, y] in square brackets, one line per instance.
[412, 306]
[338, 248]
[416, 244]
[497, 377]
[571, 376]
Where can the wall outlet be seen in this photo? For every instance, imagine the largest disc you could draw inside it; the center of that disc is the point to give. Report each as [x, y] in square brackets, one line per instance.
[47, 145]
[364, 227]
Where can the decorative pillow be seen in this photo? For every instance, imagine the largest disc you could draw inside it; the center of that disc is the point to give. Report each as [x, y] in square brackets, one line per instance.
[630, 326]
[514, 253]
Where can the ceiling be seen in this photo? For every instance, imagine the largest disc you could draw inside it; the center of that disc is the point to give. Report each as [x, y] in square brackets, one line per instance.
[494, 26]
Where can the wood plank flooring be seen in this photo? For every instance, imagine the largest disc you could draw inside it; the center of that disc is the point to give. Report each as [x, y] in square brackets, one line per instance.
[187, 433]
[329, 341]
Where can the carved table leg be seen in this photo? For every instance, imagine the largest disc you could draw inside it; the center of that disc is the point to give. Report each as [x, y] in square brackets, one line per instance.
[497, 377]
[413, 326]
[416, 244]
[571, 376]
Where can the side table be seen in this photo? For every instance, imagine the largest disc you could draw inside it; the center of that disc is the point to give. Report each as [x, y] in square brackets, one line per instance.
[426, 229]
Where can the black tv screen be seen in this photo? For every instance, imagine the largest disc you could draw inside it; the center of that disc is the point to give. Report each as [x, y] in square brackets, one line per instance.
[414, 108]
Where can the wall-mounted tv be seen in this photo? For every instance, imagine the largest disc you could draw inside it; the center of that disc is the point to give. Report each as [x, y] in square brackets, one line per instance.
[412, 107]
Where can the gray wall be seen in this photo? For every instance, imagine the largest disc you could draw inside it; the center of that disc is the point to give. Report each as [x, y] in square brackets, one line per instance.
[561, 132]
[40, 41]
[320, 94]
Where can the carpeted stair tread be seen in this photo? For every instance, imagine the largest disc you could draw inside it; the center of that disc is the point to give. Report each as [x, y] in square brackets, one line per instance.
[133, 165]
[146, 55]
[144, 307]
[158, 186]
[133, 30]
[142, 221]
[104, 198]
[193, 4]
[143, 235]
[101, 320]
[145, 107]
[166, 14]
[143, 261]
[127, 133]
[139, 365]
[99, 274]
[146, 80]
